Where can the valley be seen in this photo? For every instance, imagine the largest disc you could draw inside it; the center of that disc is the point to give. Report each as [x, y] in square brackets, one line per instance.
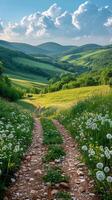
[55, 121]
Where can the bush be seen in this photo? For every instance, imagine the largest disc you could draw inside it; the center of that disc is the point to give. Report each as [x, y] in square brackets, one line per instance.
[8, 91]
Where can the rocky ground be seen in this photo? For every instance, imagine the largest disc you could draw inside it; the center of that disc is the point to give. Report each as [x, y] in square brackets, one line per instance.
[29, 185]
[81, 187]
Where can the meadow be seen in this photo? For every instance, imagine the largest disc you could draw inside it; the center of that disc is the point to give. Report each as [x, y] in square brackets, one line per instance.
[64, 99]
[90, 124]
[15, 137]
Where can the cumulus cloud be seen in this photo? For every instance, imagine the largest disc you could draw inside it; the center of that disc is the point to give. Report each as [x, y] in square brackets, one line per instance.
[109, 22]
[87, 22]
[89, 19]
[54, 11]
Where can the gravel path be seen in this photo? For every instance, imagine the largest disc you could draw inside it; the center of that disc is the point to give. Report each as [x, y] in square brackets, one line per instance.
[29, 184]
[80, 184]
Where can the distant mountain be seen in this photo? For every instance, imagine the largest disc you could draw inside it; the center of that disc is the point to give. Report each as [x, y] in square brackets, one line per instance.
[49, 48]
[83, 48]
[55, 48]
[23, 47]
[50, 59]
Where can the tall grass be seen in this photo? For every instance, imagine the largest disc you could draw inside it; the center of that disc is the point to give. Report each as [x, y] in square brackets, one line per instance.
[15, 137]
[90, 123]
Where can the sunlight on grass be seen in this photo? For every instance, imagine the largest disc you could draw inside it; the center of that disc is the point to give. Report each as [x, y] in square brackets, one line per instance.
[65, 98]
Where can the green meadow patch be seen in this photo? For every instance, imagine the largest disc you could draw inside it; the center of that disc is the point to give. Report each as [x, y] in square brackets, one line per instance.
[50, 133]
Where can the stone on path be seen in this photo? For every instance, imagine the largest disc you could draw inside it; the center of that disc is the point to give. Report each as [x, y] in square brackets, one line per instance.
[80, 184]
[29, 184]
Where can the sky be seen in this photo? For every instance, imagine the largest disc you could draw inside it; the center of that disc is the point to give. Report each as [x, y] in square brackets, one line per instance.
[64, 21]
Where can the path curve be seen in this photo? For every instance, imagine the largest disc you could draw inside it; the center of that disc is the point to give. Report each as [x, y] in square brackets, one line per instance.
[29, 184]
[81, 186]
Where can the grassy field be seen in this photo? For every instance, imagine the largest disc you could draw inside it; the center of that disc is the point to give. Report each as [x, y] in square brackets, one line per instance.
[65, 98]
[95, 59]
[27, 82]
[40, 65]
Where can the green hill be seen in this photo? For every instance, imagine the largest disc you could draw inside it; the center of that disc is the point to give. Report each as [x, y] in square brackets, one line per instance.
[55, 48]
[26, 71]
[26, 48]
[15, 62]
[49, 48]
[94, 59]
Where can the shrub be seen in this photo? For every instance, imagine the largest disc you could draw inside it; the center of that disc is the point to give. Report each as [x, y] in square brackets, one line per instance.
[8, 91]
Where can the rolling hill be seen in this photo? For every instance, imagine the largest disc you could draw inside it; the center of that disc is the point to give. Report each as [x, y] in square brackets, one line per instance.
[48, 48]
[92, 56]
[24, 62]
[54, 48]
[23, 68]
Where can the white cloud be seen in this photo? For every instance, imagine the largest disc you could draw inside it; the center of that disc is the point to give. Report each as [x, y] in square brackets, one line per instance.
[89, 19]
[109, 22]
[87, 22]
[53, 12]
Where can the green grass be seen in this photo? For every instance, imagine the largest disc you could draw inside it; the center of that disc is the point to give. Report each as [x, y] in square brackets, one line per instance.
[54, 176]
[96, 59]
[27, 83]
[50, 133]
[64, 99]
[40, 65]
[63, 196]
[90, 123]
[54, 152]
[15, 137]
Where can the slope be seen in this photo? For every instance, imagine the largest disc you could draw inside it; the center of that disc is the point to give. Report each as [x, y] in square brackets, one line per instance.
[94, 59]
[17, 62]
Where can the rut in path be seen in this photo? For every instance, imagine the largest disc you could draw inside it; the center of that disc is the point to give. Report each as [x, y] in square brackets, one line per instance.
[80, 184]
[29, 184]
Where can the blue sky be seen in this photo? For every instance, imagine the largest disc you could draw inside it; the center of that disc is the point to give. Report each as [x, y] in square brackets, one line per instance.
[36, 21]
[15, 9]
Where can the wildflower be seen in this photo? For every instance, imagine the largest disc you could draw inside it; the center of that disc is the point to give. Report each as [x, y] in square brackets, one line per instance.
[99, 165]
[109, 179]
[84, 148]
[91, 152]
[100, 175]
[109, 136]
[107, 154]
[106, 169]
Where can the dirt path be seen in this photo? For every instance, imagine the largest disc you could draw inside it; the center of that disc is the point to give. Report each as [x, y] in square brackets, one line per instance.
[29, 184]
[81, 186]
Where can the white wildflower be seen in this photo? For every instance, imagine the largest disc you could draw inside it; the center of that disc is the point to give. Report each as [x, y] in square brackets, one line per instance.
[84, 148]
[109, 179]
[106, 169]
[99, 165]
[100, 175]
[109, 136]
